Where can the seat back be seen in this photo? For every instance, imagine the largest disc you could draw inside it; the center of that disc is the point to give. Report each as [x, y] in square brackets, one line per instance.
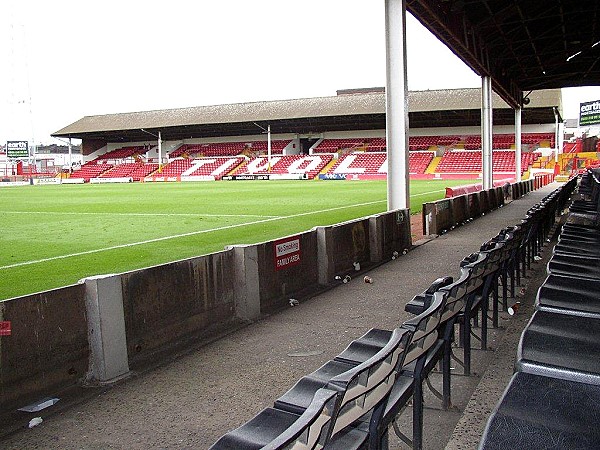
[424, 328]
[476, 262]
[274, 429]
[496, 253]
[365, 386]
[313, 427]
[456, 295]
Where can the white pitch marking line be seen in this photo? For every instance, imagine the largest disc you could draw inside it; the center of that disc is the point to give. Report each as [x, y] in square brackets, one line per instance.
[77, 213]
[191, 233]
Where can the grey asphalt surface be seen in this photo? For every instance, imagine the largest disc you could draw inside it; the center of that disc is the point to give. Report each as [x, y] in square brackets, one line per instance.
[191, 400]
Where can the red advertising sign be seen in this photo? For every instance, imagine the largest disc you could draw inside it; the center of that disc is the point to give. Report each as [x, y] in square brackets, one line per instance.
[287, 252]
[5, 328]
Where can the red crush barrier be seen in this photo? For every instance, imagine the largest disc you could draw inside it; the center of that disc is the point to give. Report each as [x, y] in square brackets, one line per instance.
[470, 188]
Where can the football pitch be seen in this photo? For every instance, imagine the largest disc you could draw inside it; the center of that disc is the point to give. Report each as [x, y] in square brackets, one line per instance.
[54, 235]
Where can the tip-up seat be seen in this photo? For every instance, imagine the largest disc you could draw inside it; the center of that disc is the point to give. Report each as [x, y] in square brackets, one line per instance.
[561, 346]
[537, 412]
[569, 295]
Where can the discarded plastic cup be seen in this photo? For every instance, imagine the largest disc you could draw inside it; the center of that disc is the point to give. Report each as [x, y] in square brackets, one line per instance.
[368, 279]
[337, 277]
[35, 422]
[346, 279]
[514, 308]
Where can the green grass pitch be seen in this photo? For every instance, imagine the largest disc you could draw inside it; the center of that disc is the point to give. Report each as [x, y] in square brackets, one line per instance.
[54, 235]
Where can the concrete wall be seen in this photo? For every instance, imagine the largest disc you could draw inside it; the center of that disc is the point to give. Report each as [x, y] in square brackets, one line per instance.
[171, 302]
[278, 285]
[342, 245]
[390, 235]
[443, 215]
[48, 345]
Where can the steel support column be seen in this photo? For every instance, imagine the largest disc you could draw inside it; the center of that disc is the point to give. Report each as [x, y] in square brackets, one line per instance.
[486, 131]
[396, 95]
[518, 169]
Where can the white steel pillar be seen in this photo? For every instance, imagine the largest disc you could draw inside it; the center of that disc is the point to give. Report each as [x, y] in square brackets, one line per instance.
[159, 150]
[396, 95]
[70, 156]
[518, 169]
[269, 147]
[556, 135]
[486, 131]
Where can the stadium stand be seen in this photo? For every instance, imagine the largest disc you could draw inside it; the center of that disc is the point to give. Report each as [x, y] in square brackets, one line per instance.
[375, 163]
[419, 161]
[469, 161]
[426, 142]
[90, 170]
[137, 171]
[377, 145]
[557, 356]
[333, 145]
[229, 148]
[216, 167]
[361, 163]
[416, 143]
[290, 164]
[123, 153]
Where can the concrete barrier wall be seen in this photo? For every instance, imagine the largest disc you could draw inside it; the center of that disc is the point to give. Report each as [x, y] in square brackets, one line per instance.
[389, 235]
[443, 215]
[438, 217]
[460, 210]
[342, 245]
[47, 348]
[167, 303]
[287, 268]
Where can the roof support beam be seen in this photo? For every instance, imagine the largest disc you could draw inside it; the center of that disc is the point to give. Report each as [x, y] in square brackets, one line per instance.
[454, 30]
[396, 105]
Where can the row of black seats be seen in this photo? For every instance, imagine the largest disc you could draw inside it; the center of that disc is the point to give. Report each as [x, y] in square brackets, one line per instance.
[353, 400]
[553, 398]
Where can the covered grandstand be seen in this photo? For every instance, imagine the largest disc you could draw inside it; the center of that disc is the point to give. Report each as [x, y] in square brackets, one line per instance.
[347, 131]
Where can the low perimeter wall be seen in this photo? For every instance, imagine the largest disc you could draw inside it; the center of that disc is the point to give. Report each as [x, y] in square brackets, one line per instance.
[443, 215]
[95, 332]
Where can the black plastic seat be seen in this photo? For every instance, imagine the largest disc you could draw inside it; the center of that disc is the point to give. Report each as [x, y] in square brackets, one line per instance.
[576, 247]
[297, 399]
[580, 229]
[408, 385]
[572, 265]
[538, 412]
[569, 295]
[474, 306]
[275, 429]
[561, 346]
[422, 301]
[578, 235]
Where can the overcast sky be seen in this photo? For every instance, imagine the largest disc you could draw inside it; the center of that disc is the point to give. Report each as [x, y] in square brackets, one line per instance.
[66, 59]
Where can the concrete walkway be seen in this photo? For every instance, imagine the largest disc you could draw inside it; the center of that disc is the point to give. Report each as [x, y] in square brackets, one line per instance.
[196, 397]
